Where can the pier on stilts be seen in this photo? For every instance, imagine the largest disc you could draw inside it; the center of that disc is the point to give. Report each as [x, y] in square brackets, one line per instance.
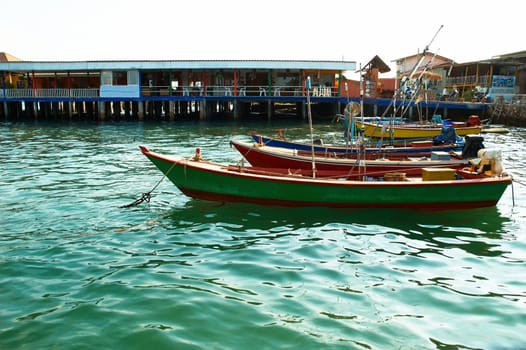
[179, 90]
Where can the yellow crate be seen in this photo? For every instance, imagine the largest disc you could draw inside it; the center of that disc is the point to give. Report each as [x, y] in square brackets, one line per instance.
[438, 174]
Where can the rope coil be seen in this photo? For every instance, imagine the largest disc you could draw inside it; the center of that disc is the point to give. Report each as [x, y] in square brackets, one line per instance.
[146, 196]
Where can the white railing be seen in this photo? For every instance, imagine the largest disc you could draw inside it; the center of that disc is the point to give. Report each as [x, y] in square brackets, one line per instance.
[211, 90]
[49, 93]
[238, 90]
[77, 93]
[18, 93]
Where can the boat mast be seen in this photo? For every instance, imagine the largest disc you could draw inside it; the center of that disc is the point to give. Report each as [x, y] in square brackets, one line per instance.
[417, 90]
[426, 49]
[361, 142]
[309, 114]
[402, 87]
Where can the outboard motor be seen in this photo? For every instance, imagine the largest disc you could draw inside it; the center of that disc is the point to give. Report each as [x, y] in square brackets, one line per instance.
[472, 145]
[489, 162]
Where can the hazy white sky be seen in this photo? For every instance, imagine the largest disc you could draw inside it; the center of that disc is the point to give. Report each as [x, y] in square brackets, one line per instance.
[52, 30]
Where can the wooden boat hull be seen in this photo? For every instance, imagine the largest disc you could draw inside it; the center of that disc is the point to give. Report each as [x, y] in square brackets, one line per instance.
[412, 149]
[273, 157]
[411, 131]
[495, 130]
[210, 181]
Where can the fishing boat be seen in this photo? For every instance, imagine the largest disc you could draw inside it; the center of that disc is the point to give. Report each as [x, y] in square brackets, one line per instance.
[494, 129]
[361, 163]
[436, 189]
[418, 148]
[413, 131]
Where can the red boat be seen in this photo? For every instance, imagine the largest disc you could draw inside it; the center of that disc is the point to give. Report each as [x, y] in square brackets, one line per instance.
[274, 157]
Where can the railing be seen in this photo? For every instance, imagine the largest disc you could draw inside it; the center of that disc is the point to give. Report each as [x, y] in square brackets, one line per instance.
[519, 99]
[473, 80]
[212, 90]
[19, 93]
[238, 90]
[79, 93]
[49, 93]
[52, 93]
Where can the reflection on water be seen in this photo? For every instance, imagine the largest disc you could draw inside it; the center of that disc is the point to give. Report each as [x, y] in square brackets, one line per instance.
[463, 228]
[78, 271]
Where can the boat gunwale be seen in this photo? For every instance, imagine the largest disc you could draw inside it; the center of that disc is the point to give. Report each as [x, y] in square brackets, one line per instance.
[288, 154]
[352, 148]
[418, 126]
[224, 170]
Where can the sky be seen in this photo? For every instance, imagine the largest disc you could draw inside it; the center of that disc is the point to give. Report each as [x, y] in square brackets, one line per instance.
[332, 30]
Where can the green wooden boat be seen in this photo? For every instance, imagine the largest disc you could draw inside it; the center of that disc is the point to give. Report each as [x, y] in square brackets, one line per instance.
[206, 180]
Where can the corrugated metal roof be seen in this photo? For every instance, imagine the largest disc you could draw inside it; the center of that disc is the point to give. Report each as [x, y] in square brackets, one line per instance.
[175, 64]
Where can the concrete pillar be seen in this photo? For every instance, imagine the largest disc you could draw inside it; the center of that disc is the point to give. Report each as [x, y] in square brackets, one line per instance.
[236, 110]
[35, 110]
[140, 113]
[117, 109]
[202, 110]
[46, 107]
[134, 106]
[126, 107]
[6, 109]
[171, 107]
[270, 109]
[70, 109]
[102, 110]
[90, 108]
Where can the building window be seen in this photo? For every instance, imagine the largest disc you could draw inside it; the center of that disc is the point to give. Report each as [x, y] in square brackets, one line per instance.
[133, 77]
[106, 78]
[119, 78]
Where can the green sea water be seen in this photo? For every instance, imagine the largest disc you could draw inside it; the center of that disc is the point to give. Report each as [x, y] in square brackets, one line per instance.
[77, 271]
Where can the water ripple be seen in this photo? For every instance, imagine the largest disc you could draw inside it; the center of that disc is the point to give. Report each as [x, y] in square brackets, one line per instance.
[182, 273]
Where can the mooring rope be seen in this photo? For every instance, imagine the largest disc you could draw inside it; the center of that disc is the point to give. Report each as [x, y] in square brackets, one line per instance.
[146, 196]
[512, 195]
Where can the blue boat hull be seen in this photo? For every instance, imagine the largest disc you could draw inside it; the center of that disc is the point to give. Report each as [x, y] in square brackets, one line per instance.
[415, 150]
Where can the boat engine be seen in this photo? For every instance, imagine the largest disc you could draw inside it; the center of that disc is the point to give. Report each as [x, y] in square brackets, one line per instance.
[472, 144]
[488, 162]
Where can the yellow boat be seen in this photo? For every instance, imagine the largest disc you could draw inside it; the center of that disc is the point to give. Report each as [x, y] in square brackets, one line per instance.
[412, 131]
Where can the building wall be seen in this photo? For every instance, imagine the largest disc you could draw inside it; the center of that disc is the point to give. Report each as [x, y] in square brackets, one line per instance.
[407, 64]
